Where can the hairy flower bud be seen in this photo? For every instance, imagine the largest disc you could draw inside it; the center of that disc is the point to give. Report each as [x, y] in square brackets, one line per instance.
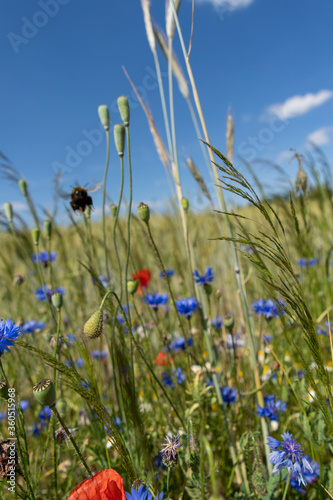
[44, 392]
[104, 116]
[229, 323]
[185, 204]
[93, 328]
[35, 235]
[23, 187]
[8, 208]
[48, 229]
[113, 209]
[119, 138]
[57, 300]
[124, 109]
[132, 286]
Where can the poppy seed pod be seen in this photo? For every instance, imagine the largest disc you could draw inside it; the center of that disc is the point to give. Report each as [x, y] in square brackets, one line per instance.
[8, 208]
[104, 116]
[229, 323]
[35, 235]
[44, 392]
[23, 187]
[185, 204]
[113, 209]
[3, 389]
[144, 212]
[48, 229]
[93, 328]
[132, 286]
[57, 300]
[124, 109]
[119, 138]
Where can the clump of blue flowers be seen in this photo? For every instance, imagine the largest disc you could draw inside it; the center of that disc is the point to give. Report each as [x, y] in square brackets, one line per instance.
[177, 373]
[268, 308]
[187, 306]
[168, 273]
[8, 333]
[40, 294]
[272, 408]
[310, 477]
[32, 326]
[307, 262]
[178, 345]
[155, 300]
[43, 257]
[208, 277]
[143, 494]
[229, 395]
[289, 455]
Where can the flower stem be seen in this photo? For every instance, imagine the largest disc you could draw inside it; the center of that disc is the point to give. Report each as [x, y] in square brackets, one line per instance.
[107, 132]
[287, 486]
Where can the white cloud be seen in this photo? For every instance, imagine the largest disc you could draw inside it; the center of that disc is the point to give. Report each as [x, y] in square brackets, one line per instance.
[19, 206]
[320, 137]
[227, 5]
[299, 104]
[284, 155]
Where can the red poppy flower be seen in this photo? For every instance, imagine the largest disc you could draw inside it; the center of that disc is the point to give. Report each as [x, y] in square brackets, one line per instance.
[162, 359]
[105, 485]
[144, 277]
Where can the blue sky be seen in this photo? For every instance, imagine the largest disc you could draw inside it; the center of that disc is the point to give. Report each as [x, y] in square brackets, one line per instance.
[61, 59]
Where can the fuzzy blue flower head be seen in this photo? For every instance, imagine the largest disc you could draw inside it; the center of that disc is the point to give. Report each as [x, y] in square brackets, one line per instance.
[8, 332]
[208, 277]
[217, 322]
[155, 300]
[310, 477]
[170, 449]
[32, 326]
[168, 273]
[178, 345]
[272, 408]
[40, 294]
[187, 306]
[289, 454]
[268, 308]
[307, 262]
[229, 395]
[43, 257]
[143, 494]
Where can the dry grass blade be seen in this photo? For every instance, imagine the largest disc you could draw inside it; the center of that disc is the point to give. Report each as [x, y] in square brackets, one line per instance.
[230, 137]
[145, 4]
[198, 177]
[176, 69]
[170, 24]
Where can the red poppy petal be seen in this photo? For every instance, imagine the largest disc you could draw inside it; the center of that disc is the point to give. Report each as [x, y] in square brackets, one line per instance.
[105, 485]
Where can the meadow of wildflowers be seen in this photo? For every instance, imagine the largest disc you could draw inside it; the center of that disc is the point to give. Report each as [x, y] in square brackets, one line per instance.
[180, 355]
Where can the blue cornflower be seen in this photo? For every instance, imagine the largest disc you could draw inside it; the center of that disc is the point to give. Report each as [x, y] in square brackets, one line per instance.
[180, 375]
[2, 416]
[268, 308]
[156, 299]
[32, 326]
[178, 345]
[141, 494]
[217, 322]
[117, 421]
[40, 294]
[167, 380]
[208, 277]
[291, 455]
[79, 362]
[310, 477]
[104, 280]
[168, 273]
[8, 332]
[272, 408]
[320, 331]
[44, 257]
[229, 395]
[187, 306]
[99, 354]
[24, 404]
[45, 413]
[71, 337]
[307, 262]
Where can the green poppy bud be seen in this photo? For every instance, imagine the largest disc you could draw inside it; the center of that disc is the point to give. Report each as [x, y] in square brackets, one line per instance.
[132, 286]
[35, 235]
[23, 187]
[48, 229]
[229, 323]
[119, 138]
[104, 116]
[8, 208]
[124, 109]
[93, 328]
[3, 389]
[57, 300]
[113, 209]
[44, 392]
[144, 212]
[185, 204]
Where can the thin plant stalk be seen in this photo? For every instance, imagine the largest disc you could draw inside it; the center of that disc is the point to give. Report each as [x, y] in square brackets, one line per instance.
[116, 222]
[107, 132]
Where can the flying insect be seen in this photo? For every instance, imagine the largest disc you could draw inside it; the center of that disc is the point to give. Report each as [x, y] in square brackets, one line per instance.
[80, 199]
